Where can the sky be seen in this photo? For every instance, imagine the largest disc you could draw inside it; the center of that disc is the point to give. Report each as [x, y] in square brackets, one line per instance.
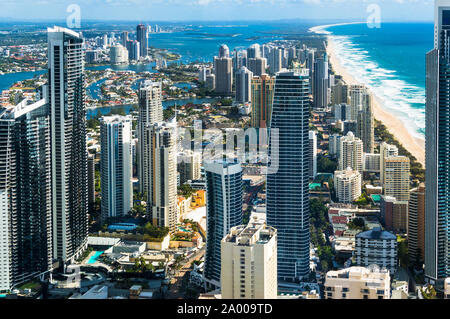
[213, 10]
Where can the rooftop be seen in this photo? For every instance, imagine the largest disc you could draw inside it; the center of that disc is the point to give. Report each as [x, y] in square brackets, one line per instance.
[377, 233]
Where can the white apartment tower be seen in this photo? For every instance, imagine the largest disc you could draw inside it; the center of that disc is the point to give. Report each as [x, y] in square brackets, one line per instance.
[162, 174]
[150, 112]
[351, 153]
[249, 262]
[116, 166]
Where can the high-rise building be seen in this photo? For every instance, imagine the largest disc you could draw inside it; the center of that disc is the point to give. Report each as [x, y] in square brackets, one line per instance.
[211, 82]
[262, 99]
[124, 38]
[91, 182]
[223, 70]
[244, 85]
[224, 51]
[150, 112]
[142, 38]
[334, 144]
[162, 179]
[365, 122]
[257, 65]
[394, 213]
[288, 184]
[348, 185]
[275, 61]
[25, 193]
[321, 92]
[341, 112]
[118, 54]
[376, 247]
[249, 262]
[116, 168]
[91, 56]
[254, 51]
[356, 96]
[134, 51]
[223, 211]
[312, 154]
[386, 150]
[397, 177]
[358, 283]
[310, 60]
[68, 143]
[437, 150]
[351, 153]
[371, 162]
[189, 166]
[339, 93]
[416, 225]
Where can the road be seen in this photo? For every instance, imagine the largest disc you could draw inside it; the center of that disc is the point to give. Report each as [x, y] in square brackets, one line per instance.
[176, 282]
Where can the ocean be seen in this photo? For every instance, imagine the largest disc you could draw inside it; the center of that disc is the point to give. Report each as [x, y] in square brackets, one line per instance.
[390, 60]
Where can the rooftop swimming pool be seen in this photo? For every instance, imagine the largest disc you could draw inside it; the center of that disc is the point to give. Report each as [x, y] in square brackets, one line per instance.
[94, 257]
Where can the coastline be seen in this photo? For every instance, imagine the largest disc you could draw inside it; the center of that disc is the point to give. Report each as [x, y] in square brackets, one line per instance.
[415, 145]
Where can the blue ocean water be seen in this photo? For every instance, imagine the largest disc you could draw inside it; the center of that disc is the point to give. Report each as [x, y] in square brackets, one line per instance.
[202, 42]
[391, 61]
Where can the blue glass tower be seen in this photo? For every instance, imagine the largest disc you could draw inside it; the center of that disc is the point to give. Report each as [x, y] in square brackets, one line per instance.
[223, 211]
[288, 187]
[437, 196]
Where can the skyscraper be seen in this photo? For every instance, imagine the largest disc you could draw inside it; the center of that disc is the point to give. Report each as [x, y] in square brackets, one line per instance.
[356, 96]
[162, 185]
[91, 183]
[254, 51]
[351, 153]
[142, 37]
[116, 166]
[310, 60]
[262, 99]
[224, 51]
[223, 211]
[244, 85]
[396, 177]
[118, 54]
[348, 185]
[416, 224]
[68, 143]
[365, 123]
[288, 186]
[189, 166]
[124, 38]
[134, 50]
[437, 152]
[25, 193]
[386, 150]
[321, 83]
[312, 154]
[249, 262]
[275, 63]
[223, 70]
[257, 65]
[150, 112]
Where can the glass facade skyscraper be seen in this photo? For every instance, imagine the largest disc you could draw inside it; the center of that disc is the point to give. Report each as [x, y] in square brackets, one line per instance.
[437, 198]
[25, 193]
[223, 211]
[288, 187]
[68, 143]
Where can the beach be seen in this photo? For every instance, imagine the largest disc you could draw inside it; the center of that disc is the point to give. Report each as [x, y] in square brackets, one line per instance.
[415, 145]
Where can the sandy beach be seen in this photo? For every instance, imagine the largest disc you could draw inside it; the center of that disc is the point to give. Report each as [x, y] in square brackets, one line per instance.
[414, 145]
